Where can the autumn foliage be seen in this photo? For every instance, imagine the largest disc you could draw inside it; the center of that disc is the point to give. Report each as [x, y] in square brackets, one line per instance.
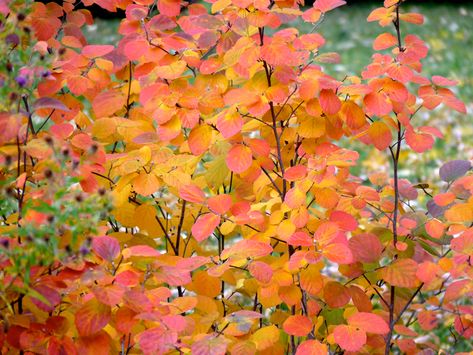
[191, 188]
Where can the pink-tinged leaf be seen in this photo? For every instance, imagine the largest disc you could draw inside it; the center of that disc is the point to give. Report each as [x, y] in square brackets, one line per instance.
[106, 247]
[312, 347]
[295, 173]
[50, 298]
[344, 220]
[427, 320]
[62, 130]
[454, 169]
[91, 317]
[220, 204]
[297, 325]
[200, 139]
[153, 339]
[169, 8]
[419, 142]
[210, 345]
[247, 248]
[300, 238]
[365, 247]
[175, 322]
[239, 158]
[377, 104]
[329, 101]
[229, 124]
[369, 322]
[327, 5]
[349, 338]
[49, 102]
[427, 271]
[261, 271]
[384, 41]
[380, 135]
[192, 193]
[204, 226]
[442, 81]
[141, 251]
[96, 50]
[338, 253]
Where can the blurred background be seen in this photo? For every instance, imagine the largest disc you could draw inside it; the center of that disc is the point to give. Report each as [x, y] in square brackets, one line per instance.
[448, 31]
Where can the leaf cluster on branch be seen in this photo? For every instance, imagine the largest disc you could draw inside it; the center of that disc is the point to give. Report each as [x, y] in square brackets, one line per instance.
[190, 189]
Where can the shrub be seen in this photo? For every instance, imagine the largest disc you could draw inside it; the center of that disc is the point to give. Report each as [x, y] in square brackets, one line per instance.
[188, 190]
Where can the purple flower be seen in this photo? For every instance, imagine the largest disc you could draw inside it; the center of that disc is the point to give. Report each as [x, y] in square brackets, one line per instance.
[12, 39]
[21, 80]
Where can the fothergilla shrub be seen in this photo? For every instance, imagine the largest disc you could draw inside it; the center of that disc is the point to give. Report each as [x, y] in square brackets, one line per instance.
[197, 187]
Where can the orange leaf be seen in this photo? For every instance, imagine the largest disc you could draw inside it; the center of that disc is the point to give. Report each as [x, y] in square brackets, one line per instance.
[107, 103]
[353, 115]
[401, 273]
[220, 204]
[380, 135]
[336, 295]
[298, 325]
[145, 184]
[94, 344]
[384, 41]
[200, 139]
[377, 104]
[329, 101]
[419, 142]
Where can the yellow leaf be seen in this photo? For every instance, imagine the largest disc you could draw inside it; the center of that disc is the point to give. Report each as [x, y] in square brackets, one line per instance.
[265, 337]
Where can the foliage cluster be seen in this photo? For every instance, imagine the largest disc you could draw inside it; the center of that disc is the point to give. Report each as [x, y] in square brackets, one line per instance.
[189, 189]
